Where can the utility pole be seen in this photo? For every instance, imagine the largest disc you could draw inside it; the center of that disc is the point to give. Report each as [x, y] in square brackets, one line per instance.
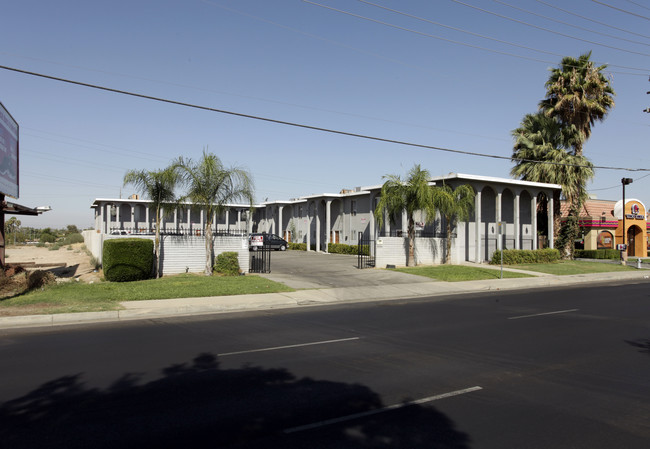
[647, 93]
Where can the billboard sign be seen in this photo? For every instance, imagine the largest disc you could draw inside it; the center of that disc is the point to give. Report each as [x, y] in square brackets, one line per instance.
[8, 153]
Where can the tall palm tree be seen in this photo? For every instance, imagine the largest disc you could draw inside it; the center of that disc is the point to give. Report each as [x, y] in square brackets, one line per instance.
[578, 94]
[543, 153]
[159, 187]
[211, 186]
[453, 205]
[410, 195]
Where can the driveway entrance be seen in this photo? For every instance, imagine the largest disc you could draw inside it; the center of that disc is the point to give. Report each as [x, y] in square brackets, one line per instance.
[301, 269]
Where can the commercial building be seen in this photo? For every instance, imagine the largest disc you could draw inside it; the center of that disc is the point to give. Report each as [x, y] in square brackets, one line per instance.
[601, 225]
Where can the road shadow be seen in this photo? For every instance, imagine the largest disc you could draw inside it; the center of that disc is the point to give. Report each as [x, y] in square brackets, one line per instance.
[198, 405]
[642, 345]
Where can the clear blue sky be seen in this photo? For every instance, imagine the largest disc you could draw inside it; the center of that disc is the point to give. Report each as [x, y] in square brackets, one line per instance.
[394, 76]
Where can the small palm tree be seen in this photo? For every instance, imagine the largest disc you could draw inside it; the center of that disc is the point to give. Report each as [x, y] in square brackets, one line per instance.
[410, 195]
[159, 187]
[211, 186]
[454, 205]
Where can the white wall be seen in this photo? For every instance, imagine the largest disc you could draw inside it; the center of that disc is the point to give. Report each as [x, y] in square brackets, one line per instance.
[428, 251]
[179, 253]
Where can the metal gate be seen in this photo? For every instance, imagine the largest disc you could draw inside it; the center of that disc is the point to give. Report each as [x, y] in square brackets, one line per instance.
[365, 252]
[260, 259]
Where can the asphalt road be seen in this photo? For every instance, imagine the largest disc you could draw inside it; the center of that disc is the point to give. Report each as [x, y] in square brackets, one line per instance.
[537, 369]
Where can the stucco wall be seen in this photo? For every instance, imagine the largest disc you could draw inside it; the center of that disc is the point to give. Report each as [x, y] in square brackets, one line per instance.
[179, 254]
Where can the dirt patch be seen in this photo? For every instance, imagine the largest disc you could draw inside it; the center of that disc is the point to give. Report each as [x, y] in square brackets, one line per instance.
[67, 263]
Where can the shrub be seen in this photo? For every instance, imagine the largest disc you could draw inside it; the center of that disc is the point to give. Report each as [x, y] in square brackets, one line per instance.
[598, 254]
[73, 238]
[128, 259]
[227, 264]
[342, 248]
[298, 246]
[522, 256]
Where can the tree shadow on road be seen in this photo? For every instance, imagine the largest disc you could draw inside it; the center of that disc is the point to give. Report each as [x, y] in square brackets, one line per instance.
[198, 405]
[643, 345]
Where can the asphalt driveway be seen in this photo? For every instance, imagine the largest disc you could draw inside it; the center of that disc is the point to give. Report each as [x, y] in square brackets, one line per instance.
[301, 269]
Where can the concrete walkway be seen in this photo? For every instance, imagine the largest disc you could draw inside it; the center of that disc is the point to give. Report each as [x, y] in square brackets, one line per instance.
[134, 310]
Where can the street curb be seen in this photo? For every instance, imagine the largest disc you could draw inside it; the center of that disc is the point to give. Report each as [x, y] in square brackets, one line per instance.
[169, 308]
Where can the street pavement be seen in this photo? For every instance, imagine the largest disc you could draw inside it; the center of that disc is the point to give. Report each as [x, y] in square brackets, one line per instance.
[334, 281]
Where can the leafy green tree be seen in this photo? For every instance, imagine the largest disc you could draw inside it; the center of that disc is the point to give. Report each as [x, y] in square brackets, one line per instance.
[12, 227]
[453, 205]
[158, 186]
[211, 186]
[410, 195]
[72, 229]
[543, 152]
[578, 95]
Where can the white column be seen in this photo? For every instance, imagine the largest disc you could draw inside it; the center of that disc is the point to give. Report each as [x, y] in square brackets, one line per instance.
[517, 223]
[328, 225]
[117, 216]
[308, 220]
[477, 230]
[405, 224]
[533, 220]
[189, 221]
[551, 221]
[280, 228]
[227, 221]
[373, 226]
[238, 221]
[317, 216]
[201, 221]
[132, 216]
[147, 218]
[498, 218]
[175, 218]
[108, 219]
[387, 224]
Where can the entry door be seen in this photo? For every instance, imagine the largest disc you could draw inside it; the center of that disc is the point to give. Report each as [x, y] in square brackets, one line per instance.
[334, 238]
[630, 241]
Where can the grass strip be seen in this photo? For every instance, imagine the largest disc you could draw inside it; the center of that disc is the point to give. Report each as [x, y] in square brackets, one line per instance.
[457, 273]
[77, 297]
[568, 267]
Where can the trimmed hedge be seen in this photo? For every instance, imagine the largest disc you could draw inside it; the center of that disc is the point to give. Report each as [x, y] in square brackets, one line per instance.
[342, 248]
[521, 256]
[613, 254]
[227, 264]
[128, 259]
[298, 246]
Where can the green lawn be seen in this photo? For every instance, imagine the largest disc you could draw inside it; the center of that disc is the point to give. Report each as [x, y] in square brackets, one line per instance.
[567, 267]
[76, 297]
[454, 273]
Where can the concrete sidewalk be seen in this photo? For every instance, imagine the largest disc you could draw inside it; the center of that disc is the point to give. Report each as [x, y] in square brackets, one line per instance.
[164, 308]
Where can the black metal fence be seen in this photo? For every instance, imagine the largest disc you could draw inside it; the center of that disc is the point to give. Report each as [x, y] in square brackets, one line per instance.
[198, 232]
[365, 252]
[260, 259]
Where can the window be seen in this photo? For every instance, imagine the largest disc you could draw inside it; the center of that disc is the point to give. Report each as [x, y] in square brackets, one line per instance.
[605, 240]
[353, 208]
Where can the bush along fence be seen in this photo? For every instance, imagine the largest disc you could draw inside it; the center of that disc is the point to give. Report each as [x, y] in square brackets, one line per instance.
[522, 256]
[333, 248]
[613, 254]
[128, 259]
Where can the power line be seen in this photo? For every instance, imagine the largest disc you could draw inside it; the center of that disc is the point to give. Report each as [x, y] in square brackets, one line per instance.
[547, 30]
[591, 20]
[477, 47]
[622, 10]
[568, 24]
[309, 127]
